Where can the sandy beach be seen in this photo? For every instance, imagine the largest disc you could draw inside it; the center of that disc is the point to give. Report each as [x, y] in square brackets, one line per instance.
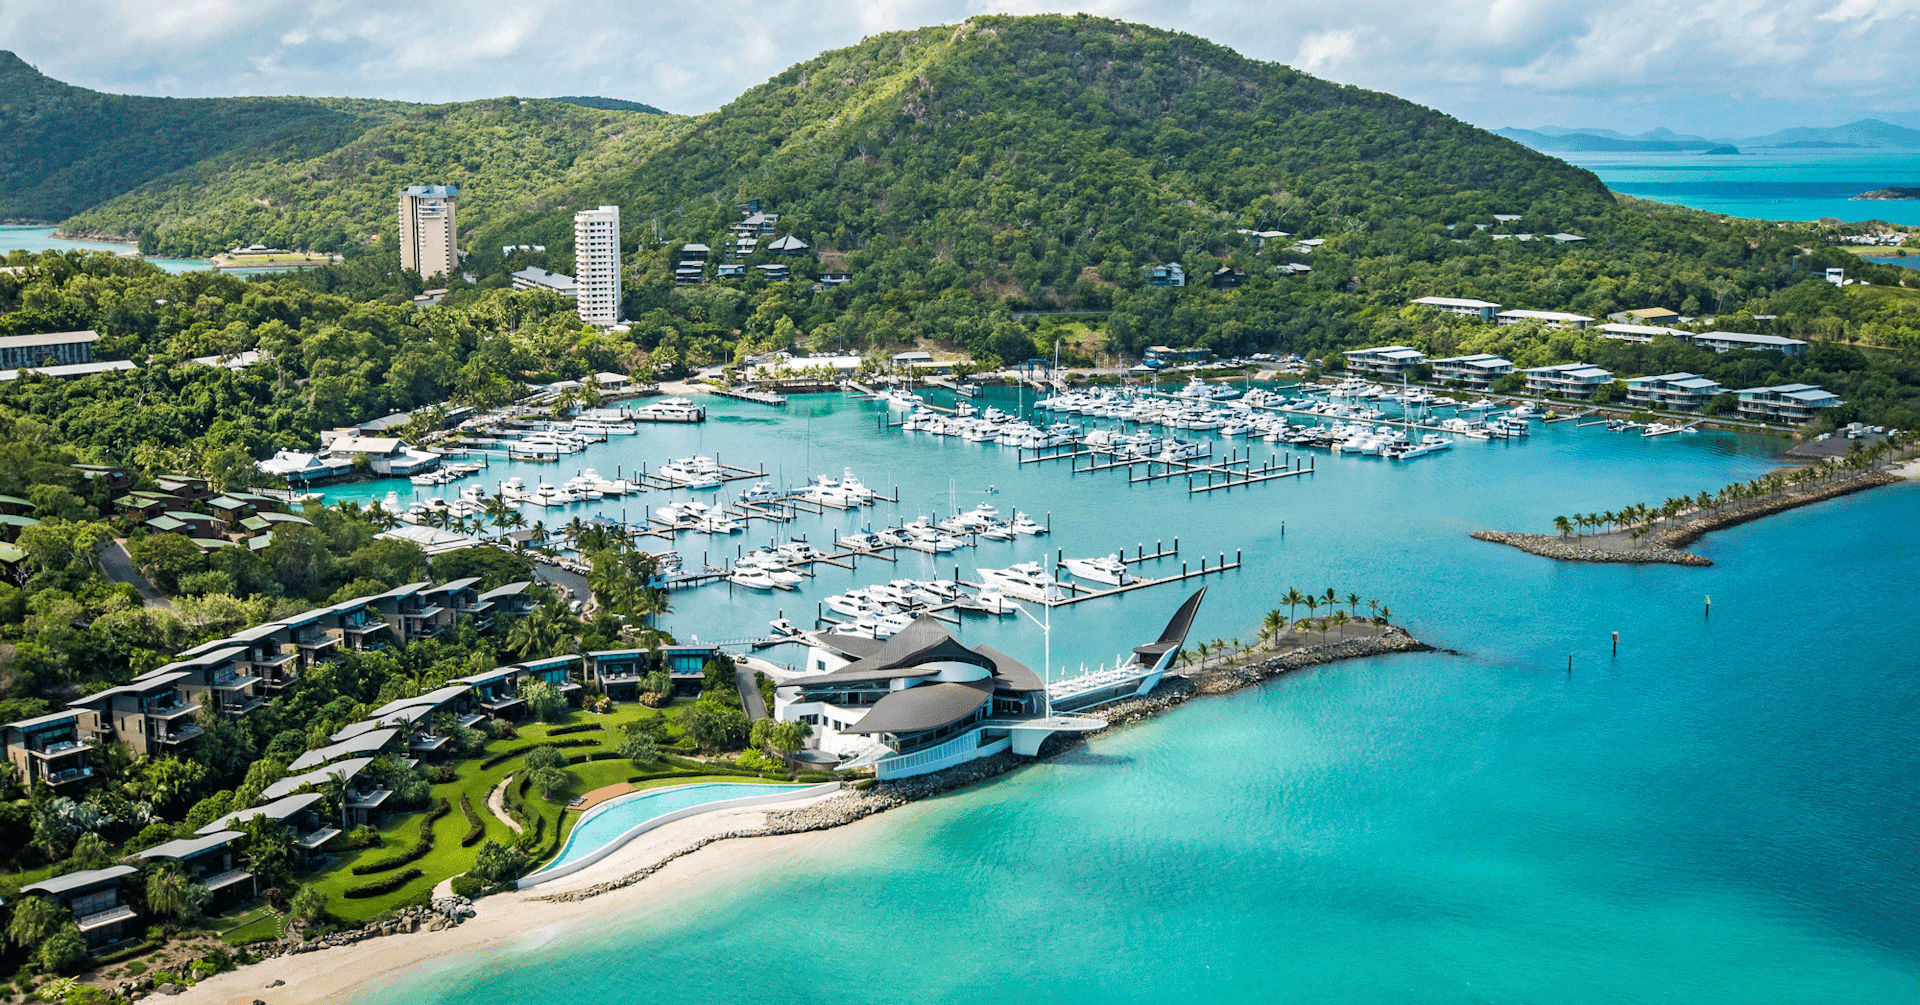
[505, 919]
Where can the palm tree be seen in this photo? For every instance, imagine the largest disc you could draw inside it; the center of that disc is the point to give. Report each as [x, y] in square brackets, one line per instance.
[1373, 607]
[1331, 598]
[169, 891]
[540, 632]
[35, 919]
[1353, 604]
[1607, 519]
[1563, 525]
[1385, 613]
[1340, 620]
[1271, 625]
[1293, 600]
[1313, 604]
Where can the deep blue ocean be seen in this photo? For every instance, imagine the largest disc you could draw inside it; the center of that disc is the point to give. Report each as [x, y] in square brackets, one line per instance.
[1721, 813]
[1768, 184]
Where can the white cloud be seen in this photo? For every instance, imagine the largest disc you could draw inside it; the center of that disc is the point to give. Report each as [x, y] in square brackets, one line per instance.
[1716, 66]
[1325, 51]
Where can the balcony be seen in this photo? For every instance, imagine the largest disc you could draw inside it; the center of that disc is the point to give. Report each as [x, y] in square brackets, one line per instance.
[101, 919]
[168, 713]
[427, 744]
[226, 879]
[364, 627]
[178, 736]
[315, 641]
[366, 800]
[315, 839]
[241, 704]
[61, 748]
[422, 611]
[419, 629]
[67, 776]
[234, 682]
[280, 681]
[470, 720]
[267, 661]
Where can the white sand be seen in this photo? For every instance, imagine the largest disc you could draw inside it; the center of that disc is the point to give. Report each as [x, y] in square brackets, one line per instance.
[504, 919]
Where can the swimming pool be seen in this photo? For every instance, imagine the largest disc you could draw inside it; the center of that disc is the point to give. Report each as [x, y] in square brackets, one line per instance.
[617, 821]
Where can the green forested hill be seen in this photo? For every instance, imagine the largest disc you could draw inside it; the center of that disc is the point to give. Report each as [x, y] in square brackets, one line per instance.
[503, 153]
[1042, 145]
[68, 148]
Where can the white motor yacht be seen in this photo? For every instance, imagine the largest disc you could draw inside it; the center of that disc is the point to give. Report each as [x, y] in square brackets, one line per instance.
[1024, 524]
[1108, 569]
[1025, 581]
[756, 579]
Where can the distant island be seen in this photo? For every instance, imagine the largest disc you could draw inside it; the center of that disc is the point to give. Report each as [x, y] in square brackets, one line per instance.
[1889, 194]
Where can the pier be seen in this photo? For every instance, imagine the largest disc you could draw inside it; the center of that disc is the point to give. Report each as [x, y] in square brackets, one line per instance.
[748, 394]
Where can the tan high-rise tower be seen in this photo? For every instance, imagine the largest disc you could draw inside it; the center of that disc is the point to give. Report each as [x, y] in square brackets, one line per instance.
[427, 229]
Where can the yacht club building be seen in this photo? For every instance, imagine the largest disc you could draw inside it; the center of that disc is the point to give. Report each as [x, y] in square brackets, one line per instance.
[1676, 392]
[922, 701]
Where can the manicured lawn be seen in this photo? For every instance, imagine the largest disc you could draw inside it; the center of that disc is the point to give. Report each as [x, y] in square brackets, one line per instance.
[448, 858]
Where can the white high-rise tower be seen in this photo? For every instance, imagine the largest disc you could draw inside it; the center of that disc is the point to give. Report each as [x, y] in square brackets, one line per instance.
[596, 264]
[427, 229]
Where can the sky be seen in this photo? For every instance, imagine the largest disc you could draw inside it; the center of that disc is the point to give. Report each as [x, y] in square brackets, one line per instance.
[1722, 68]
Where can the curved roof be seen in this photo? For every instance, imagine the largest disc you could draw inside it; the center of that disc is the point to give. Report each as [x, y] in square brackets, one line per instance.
[905, 654]
[278, 810]
[1010, 674]
[928, 706]
[1175, 634]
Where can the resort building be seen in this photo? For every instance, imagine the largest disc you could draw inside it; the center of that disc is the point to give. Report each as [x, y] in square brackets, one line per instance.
[1567, 380]
[1638, 333]
[150, 716]
[692, 265]
[1384, 361]
[1785, 402]
[296, 813]
[1456, 305]
[427, 229]
[49, 749]
[1158, 355]
[98, 900]
[596, 265]
[1477, 372]
[52, 348]
[1646, 316]
[535, 278]
[207, 859]
[1553, 319]
[1727, 341]
[1675, 392]
[1170, 274]
[788, 245]
[69, 369]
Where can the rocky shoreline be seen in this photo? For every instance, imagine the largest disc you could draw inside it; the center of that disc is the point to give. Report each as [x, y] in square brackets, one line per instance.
[1667, 544]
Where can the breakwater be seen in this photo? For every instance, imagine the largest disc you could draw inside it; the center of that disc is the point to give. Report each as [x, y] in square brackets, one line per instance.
[1667, 544]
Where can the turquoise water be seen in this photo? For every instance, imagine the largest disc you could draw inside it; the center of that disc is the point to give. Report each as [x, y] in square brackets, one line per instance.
[610, 820]
[1721, 813]
[16, 238]
[1768, 184]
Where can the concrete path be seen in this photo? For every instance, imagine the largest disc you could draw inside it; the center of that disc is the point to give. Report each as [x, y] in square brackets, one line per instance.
[118, 566]
[750, 698]
[497, 804]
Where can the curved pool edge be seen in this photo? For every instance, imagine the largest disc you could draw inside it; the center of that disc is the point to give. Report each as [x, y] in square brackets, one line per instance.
[779, 795]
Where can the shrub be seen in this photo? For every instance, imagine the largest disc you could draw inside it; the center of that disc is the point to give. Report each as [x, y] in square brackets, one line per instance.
[468, 886]
[476, 828]
[419, 849]
[385, 886]
[497, 863]
[441, 774]
[578, 727]
[864, 784]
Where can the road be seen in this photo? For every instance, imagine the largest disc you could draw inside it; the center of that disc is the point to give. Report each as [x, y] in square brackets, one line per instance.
[118, 566]
[750, 697]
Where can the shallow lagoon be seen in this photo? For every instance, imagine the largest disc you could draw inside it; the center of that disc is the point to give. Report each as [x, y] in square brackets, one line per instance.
[1720, 813]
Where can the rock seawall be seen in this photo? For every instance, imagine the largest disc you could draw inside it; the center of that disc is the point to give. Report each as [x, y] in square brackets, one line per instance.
[1667, 544]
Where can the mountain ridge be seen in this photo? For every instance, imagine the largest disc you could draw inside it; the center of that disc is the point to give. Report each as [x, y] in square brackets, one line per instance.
[1862, 133]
